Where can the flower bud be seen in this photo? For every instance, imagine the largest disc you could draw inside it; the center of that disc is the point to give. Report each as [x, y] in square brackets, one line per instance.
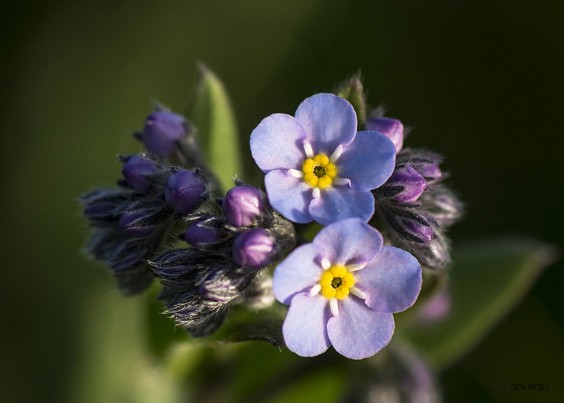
[429, 170]
[253, 249]
[224, 284]
[426, 163]
[197, 316]
[137, 223]
[411, 183]
[242, 205]
[391, 128]
[416, 230]
[184, 191]
[162, 131]
[435, 255]
[206, 231]
[135, 171]
[104, 205]
[443, 206]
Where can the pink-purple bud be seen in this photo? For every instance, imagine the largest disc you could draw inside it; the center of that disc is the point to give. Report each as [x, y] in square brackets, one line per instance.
[135, 171]
[204, 233]
[429, 170]
[422, 232]
[389, 127]
[444, 206]
[162, 131]
[184, 191]
[242, 205]
[253, 249]
[411, 182]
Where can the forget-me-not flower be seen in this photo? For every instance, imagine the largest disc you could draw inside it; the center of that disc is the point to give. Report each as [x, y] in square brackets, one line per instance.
[318, 167]
[343, 289]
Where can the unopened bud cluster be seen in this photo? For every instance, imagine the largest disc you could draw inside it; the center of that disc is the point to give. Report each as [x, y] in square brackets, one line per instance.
[230, 243]
[130, 225]
[228, 240]
[415, 207]
[131, 222]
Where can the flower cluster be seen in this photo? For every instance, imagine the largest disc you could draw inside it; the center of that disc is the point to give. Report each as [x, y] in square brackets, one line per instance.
[169, 220]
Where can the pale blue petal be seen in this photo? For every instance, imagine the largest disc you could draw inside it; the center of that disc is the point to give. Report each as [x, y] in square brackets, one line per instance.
[349, 241]
[305, 326]
[392, 280]
[329, 121]
[277, 142]
[368, 161]
[335, 204]
[299, 272]
[288, 195]
[359, 332]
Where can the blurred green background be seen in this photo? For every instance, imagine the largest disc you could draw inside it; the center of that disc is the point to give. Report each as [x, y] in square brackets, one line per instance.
[481, 81]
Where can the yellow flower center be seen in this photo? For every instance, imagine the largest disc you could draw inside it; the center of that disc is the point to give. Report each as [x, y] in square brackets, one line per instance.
[336, 282]
[319, 171]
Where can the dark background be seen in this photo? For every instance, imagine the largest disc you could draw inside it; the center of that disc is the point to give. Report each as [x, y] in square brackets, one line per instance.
[482, 82]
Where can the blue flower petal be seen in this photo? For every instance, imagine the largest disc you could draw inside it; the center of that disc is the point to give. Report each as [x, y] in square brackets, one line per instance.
[349, 241]
[359, 332]
[335, 204]
[304, 328]
[368, 161]
[289, 195]
[329, 121]
[299, 272]
[392, 280]
[277, 142]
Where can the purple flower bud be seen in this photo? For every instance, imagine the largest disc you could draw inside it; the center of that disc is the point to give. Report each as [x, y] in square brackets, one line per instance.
[416, 230]
[253, 249]
[204, 232]
[426, 163]
[137, 223]
[135, 171]
[411, 183]
[223, 285]
[162, 131]
[184, 191]
[105, 205]
[443, 206]
[429, 170]
[242, 205]
[391, 128]
[436, 254]
[102, 210]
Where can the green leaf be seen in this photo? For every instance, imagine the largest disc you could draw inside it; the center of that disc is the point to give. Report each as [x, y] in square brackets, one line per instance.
[216, 127]
[323, 385]
[488, 279]
[114, 365]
